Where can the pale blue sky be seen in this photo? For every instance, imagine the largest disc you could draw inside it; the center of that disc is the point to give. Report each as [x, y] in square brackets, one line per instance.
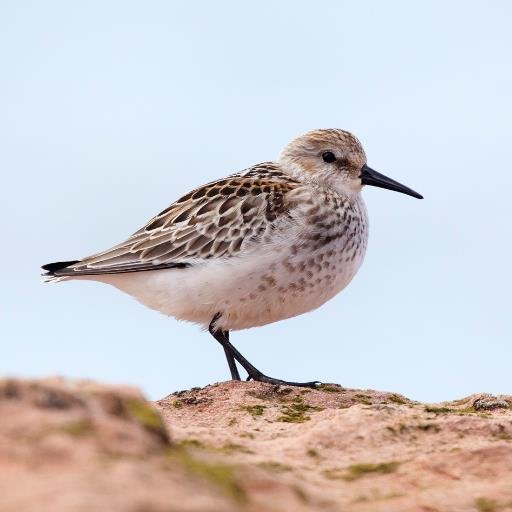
[111, 110]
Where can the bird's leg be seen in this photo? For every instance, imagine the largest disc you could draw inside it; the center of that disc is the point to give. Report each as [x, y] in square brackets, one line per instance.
[231, 360]
[224, 335]
[232, 354]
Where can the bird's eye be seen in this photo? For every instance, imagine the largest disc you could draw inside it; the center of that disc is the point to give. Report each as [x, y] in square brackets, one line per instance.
[328, 156]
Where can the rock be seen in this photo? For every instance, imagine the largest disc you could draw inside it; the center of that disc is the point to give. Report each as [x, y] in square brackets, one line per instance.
[246, 446]
[80, 446]
[486, 402]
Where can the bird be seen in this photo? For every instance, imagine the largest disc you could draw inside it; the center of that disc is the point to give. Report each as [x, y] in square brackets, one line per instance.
[268, 243]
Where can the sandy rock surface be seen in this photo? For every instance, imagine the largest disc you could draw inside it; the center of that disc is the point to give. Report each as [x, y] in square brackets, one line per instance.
[239, 446]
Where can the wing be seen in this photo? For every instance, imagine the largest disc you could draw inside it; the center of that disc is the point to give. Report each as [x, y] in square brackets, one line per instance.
[213, 221]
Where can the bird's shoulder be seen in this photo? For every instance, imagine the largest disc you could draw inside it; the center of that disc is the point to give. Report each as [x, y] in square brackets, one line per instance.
[219, 202]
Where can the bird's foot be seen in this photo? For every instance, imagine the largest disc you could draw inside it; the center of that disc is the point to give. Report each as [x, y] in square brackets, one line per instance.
[260, 377]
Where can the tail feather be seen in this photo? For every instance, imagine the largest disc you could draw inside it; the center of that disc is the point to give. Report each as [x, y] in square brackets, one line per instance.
[52, 269]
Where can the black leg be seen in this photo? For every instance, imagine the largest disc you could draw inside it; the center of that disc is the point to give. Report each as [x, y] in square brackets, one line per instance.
[221, 335]
[232, 353]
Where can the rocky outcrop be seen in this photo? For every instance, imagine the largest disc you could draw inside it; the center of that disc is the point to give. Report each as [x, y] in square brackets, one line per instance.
[246, 446]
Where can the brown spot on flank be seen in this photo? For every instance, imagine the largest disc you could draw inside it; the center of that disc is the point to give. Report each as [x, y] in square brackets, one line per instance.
[288, 266]
[269, 280]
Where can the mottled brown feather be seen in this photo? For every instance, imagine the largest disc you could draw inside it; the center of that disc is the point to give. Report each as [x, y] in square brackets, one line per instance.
[212, 221]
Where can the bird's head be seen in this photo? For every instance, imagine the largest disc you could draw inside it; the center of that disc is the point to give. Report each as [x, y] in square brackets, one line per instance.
[335, 159]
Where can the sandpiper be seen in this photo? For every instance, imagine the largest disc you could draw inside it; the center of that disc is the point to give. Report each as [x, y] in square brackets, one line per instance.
[270, 242]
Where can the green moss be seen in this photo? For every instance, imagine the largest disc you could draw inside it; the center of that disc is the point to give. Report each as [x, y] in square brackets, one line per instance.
[485, 504]
[295, 412]
[145, 415]
[382, 497]
[234, 447]
[356, 471]
[220, 475]
[466, 410]
[333, 474]
[254, 410]
[438, 410]
[191, 443]
[401, 428]
[459, 412]
[330, 388]
[300, 493]
[428, 427]
[461, 401]
[275, 466]
[503, 436]
[397, 399]
[363, 399]
[78, 428]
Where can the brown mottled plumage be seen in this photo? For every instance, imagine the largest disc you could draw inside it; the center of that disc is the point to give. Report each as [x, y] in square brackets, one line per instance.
[274, 241]
[212, 221]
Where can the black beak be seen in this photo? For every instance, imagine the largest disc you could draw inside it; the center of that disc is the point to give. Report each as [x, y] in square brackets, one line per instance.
[376, 179]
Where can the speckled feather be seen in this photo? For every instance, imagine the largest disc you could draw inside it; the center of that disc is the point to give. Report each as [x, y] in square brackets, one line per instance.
[274, 241]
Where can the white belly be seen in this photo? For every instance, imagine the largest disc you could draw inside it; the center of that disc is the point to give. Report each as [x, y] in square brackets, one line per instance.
[248, 291]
